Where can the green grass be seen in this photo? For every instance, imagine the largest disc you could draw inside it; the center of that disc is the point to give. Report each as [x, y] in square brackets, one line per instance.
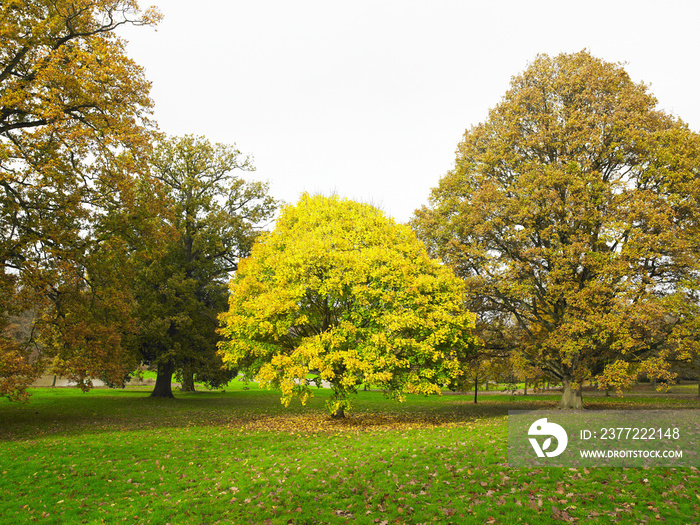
[117, 456]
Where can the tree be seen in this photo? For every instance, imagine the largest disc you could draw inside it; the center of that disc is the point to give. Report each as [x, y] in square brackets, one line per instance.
[73, 127]
[338, 290]
[211, 218]
[482, 367]
[572, 215]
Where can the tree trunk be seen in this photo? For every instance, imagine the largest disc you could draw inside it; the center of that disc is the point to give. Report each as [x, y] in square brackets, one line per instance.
[164, 379]
[476, 387]
[187, 380]
[571, 399]
[525, 387]
[338, 402]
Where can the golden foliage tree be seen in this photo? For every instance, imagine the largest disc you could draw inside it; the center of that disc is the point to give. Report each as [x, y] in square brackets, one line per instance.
[73, 118]
[572, 215]
[340, 291]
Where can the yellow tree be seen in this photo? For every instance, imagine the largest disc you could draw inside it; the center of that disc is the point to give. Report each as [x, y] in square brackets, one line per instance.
[340, 291]
[73, 111]
[572, 215]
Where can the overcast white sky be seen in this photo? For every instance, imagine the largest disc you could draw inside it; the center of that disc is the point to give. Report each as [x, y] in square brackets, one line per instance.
[368, 99]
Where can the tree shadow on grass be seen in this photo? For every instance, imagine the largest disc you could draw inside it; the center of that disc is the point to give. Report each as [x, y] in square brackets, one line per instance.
[70, 412]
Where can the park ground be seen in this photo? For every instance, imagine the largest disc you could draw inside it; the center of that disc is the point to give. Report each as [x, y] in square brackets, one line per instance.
[239, 456]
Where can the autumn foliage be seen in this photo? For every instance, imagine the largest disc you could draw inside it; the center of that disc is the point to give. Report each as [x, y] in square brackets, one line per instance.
[73, 132]
[568, 225]
[340, 293]
[571, 214]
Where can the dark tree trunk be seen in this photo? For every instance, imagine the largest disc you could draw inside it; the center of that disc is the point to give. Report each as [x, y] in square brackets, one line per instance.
[187, 380]
[525, 387]
[571, 399]
[164, 379]
[476, 387]
[339, 402]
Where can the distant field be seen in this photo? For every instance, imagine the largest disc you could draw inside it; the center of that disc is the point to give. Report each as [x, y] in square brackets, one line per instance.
[115, 456]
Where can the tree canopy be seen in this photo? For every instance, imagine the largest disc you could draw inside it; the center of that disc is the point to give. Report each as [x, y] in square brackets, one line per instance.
[339, 291]
[73, 128]
[211, 217]
[571, 214]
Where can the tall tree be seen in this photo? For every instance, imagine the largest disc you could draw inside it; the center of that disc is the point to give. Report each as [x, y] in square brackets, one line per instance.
[572, 215]
[213, 216]
[340, 291]
[73, 121]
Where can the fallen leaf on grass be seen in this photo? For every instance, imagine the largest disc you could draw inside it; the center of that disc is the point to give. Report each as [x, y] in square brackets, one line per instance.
[562, 515]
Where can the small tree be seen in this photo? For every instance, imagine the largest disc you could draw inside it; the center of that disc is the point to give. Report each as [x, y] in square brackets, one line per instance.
[483, 367]
[339, 291]
[571, 213]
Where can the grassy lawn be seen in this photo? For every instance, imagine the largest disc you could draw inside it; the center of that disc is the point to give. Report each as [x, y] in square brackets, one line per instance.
[117, 456]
